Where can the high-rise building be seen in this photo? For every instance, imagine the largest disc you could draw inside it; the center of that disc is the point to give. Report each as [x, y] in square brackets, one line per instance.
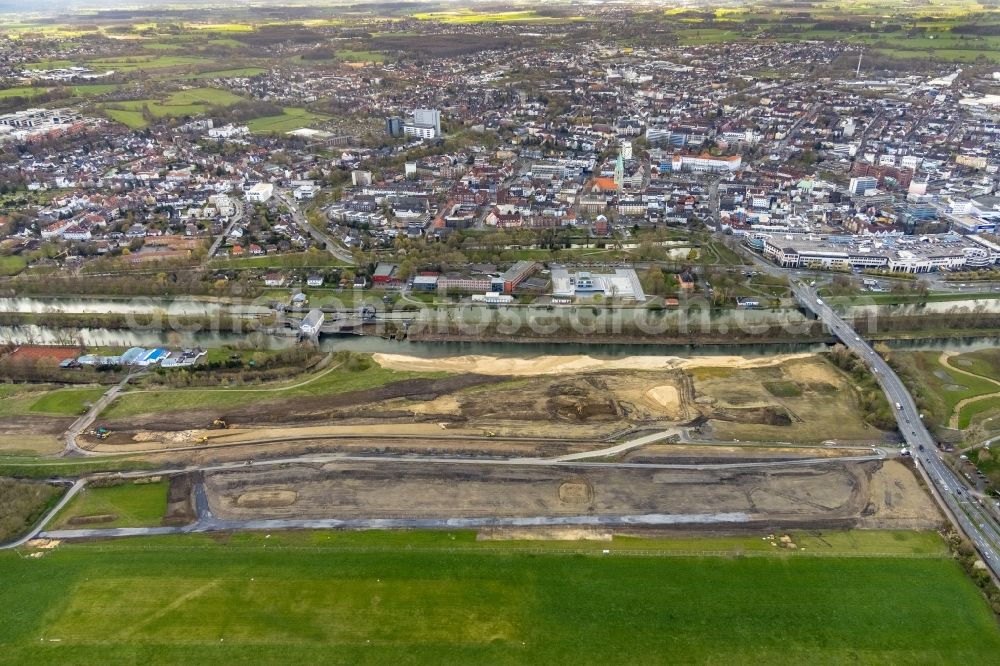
[861, 184]
[425, 123]
[428, 117]
[394, 126]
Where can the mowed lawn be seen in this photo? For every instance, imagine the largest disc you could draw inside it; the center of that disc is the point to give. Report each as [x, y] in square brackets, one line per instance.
[125, 505]
[68, 402]
[22, 399]
[197, 599]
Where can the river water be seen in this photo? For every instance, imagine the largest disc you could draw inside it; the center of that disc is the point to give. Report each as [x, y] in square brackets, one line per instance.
[181, 306]
[94, 337]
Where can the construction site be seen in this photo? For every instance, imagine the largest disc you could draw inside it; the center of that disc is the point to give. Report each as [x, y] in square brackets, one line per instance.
[534, 444]
[545, 406]
[876, 494]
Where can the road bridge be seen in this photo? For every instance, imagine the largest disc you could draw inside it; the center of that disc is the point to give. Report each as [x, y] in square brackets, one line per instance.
[960, 504]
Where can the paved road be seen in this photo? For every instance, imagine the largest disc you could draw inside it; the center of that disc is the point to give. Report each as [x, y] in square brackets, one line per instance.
[784, 141]
[948, 487]
[335, 249]
[225, 234]
[621, 448]
[70, 447]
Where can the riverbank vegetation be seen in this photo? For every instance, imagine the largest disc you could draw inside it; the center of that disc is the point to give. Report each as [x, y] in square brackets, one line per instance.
[24, 503]
[872, 403]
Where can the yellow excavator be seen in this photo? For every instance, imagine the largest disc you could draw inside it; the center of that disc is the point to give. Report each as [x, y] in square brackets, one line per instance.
[220, 424]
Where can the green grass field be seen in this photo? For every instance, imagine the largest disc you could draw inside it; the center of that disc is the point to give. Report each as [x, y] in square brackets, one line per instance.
[229, 73]
[360, 56]
[89, 89]
[292, 119]
[337, 380]
[357, 598]
[12, 264]
[17, 399]
[130, 504]
[21, 91]
[191, 102]
[131, 119]
[945, 387]
[136, 63]
[68, 402]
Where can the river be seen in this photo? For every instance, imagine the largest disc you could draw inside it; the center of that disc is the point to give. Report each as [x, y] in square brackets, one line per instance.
[178, 307]
[99, 337]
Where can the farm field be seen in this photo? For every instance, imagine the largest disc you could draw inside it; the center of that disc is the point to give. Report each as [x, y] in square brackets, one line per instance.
[123, 505]
[229, 73]
[136, 63]
[181, 103]
[292, 119]
[402, 597]
[361, 56]
[22, 91]
[468, 16]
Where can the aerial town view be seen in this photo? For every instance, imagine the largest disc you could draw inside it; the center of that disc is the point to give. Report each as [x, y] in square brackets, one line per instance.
[452, 332]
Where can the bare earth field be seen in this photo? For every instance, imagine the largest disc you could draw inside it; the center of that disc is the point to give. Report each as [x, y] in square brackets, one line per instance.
[874, 494]
[792, 398]
[34, 433]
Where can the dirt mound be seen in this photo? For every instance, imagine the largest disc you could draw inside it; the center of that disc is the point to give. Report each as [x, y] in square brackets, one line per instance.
[576, 492]
[266, 499]
[180, 508]
[770, 415]
[549, 365]
[581, 399]
[93, 520]
[665, 396]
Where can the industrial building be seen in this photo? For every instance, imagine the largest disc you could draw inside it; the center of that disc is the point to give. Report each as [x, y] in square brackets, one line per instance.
[892, 252]
[623, 284]
[312, 322]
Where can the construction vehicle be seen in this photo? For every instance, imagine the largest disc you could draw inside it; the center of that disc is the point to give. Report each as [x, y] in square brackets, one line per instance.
[203, 439]
[490, 433]
[102, 433]
[219, 424]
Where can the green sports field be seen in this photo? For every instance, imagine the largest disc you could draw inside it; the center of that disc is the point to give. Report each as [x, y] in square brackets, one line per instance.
[359, 598]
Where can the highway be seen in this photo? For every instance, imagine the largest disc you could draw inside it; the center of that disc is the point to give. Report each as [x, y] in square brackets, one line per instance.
[950, 490]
